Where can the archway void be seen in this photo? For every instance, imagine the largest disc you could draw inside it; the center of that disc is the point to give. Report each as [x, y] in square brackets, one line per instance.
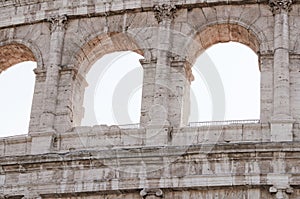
[16, 88]
[227, 84]
[114, 91]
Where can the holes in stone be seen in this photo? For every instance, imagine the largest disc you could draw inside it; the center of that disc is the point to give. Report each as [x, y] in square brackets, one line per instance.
[55, 142]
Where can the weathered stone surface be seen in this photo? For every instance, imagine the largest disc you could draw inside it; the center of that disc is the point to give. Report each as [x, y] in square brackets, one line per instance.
[163, 157]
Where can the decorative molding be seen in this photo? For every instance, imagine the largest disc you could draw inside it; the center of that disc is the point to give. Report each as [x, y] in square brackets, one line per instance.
[37, 197]
[57, 23]
[277, 6]
[151, 192]
[280, 192]
[22, 169]
[164, 12]
[32, 196]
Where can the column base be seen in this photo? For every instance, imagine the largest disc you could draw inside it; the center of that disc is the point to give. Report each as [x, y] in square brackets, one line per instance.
[158, 135]
[42, 142]
[282, 129]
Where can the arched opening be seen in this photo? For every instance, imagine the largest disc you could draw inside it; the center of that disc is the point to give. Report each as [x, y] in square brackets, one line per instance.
[17, 81]
[104, 66]
[227, 84]
[16, 88]
[114, 92]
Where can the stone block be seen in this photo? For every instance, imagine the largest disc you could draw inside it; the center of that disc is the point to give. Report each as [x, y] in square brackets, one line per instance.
[233, 133]
[2, 180]
[281, 131]
[41, 143]
[157, 136]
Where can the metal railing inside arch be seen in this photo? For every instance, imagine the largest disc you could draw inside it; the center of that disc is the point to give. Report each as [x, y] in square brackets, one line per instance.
[129, 126]
[200, 124]
[222, 123]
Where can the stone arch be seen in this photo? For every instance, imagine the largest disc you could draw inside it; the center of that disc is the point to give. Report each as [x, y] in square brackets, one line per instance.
[15, 51]
[212, 34]
[96, 47]
[102, 44]
[18, 51]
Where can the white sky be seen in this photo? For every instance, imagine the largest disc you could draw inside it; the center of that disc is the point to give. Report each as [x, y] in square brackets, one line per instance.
[16, 88]
[237, 66]
[231, 66]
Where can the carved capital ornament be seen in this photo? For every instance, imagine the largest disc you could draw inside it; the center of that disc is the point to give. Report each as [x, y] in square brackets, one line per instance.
[57, 23]
[164, 12]
[157, 193]
[277, 6]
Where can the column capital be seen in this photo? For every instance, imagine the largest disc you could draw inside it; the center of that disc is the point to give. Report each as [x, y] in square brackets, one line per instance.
[277, 6]
[177, 61]
[57, 23]
[148, 63]
[151, 192]
[39, 71]
[164, 12]
[279, 192]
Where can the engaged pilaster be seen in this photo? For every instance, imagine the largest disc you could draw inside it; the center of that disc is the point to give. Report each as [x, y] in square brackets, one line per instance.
[148, 90]
[57, 28]
[160, 108]
[281, 121]
[179, 100]
[38, 99]
[69, 109]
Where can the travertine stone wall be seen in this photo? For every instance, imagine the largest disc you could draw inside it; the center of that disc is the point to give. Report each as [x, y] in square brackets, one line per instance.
[164, 157]
[165, 35]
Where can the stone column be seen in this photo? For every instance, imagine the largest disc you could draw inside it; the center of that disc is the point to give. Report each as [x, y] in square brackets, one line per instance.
[281, 122]
[43, 136]
[173, 73]
[179, 99]
[148, 90]
[37, 101]
[57, 28]
[69, 109]
[160, 108]
[266, 87]
[155, 115]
